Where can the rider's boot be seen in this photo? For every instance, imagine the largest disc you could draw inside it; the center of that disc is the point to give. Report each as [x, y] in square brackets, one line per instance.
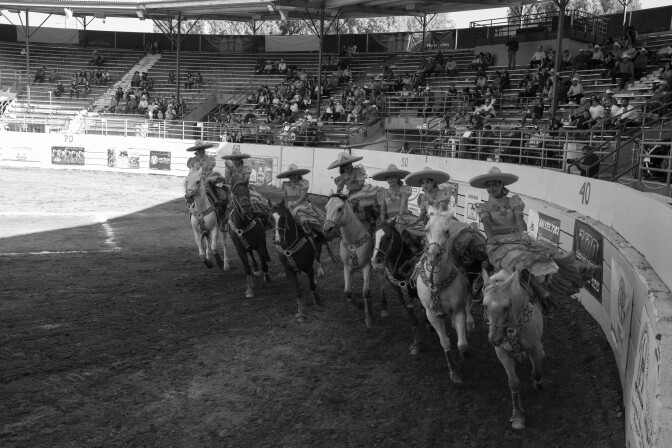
[546, 303]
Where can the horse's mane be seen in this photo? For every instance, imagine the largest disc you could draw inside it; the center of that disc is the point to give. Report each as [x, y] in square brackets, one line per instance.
[500, 276]
[340, 196]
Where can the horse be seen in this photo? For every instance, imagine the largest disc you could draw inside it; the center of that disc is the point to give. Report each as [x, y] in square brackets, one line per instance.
[204, 220]
[296, 254]
[355, 250]
[516, 326]
[248, 235]
[443, 288]
[392, 256]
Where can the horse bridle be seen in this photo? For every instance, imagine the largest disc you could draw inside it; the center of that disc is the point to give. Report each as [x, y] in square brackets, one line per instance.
[512, 327]
[238, 207]
[289, 250]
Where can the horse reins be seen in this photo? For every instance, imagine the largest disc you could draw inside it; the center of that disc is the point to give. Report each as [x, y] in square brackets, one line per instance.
[199, 215]
[296, 246]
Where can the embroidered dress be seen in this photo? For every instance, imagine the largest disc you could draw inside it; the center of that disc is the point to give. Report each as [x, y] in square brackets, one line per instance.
[390, 200]
[360, 193]
[434, 201]
[304, 212]
[241, 174]
[197, 162]
[509, 248]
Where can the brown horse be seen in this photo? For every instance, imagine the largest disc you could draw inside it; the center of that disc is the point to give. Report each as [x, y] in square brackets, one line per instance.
[516, 326]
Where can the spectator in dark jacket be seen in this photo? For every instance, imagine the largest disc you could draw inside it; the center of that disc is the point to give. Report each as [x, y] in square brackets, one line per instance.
[588, 164]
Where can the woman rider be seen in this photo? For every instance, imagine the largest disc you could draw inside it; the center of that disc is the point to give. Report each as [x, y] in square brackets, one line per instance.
[205, 163]
[295, 191]
[509, 246]
[363, 197]
[432, 199]
[393, 202]
[238, 173]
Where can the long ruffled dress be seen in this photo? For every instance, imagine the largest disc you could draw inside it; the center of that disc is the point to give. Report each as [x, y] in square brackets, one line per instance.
[434, 201]
[360, 193]
[390, 200]
[307, 215]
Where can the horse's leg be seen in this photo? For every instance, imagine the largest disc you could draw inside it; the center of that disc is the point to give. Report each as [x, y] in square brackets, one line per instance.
[310, 272]
[439, 325]
[242, 254]
[264, 257]
[383, 298]
[416, 347]
[213, 241]
[536, 356]
[347, 278]
[254, 264]
[369, 318]
[518, 417]
[201, 249]
[225, 258]
[459, 321]
[294, 280]
[318, 260]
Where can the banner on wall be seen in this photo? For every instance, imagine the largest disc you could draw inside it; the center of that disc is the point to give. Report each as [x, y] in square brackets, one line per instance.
[20, 154]
[292, 43]
[159, 160]
[543, 227]
[67, 155]
[413, 199]
[620, 309]
[643, 388]
[123, 158]
[262, 170]
[228, 44]
[471, 198]
[588, 247]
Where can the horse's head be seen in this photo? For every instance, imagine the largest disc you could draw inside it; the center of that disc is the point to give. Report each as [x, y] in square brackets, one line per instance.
[498, 293]
[241, 199]
[437, 234]
[338, 212]
[388, 243]
[193, 184]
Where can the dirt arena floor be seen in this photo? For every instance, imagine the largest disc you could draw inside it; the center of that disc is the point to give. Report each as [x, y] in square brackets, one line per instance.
[114, 334]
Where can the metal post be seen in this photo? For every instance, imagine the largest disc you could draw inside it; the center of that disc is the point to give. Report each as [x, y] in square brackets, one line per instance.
[562, 4]
[179, 42]
[424, 31]
[319, 65]
[27, 58]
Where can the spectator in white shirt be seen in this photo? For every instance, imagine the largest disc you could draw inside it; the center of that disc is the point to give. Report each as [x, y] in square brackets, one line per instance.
[598, 57]
[628, 114]
[596, 109]
[538, 57]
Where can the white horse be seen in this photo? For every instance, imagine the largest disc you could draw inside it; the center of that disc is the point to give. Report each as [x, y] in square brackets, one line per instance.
[204, 221]
[356, 248]
[515, 329]
[443, 289]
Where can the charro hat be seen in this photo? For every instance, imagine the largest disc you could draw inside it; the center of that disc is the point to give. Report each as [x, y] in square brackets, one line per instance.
[437, 176]
[391, 170]
[495, 174]
[343, 159]
[200, 145]
[235, 154]
[292, 169]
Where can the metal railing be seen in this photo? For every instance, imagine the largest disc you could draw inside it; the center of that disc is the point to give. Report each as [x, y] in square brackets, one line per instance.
[654, 157]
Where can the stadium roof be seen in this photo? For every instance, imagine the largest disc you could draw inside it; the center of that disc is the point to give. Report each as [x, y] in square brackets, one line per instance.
[248, 10]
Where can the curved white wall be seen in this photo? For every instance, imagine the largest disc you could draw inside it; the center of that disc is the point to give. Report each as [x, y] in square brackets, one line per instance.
[624, 230]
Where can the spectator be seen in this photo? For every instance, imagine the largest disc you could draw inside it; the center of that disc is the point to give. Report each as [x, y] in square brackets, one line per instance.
[268, 67]
[610, 69]
[189, 83]
[98, 77]
[73, 89]
[530, 91]
[630, 36]
[39, 75]
[596, 109]
[567, 60]
[665, 52]
[347, 74]
[451, 66]
[198, 81]
[640, 62]
[132, 105]
[106, 77]
[96, 58]
[143, 104]
[54, 76]
[665, 73]
[512, 48]
[136, 79]
[171, 77]
[538, 57]
[626, 71]
[659, 97]
[614, 108]
[535, 111]
[59, 89]
[597, 59]
[588, 164]
[282, 67]
[575, 92]
[627, 115]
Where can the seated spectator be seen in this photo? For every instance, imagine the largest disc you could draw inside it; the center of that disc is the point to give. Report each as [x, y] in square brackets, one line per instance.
[98, 77]
[596, 109]
[628, 115]
[132, 105]
[268, 67]
[567, 60]
[451, 66]
[73, 89]
[143, 104]
[588, 164]
[575, 92]
[535, 111]
[583, 122]
[282, 67]
[626, 71]
[481, 82]
[136, 79]
[96, 58]
[59, 89]
[189, 83]
[640, 62]
[529, 91]
[665, 52]
[339, 111]
[54, 76]
[597, 59]
[347, 74]
[86, 88]
[106, 77]
[581, 60]
[39, 75]
[476, 62]
[659, 97]
[171, 77]
[198, 81]
[538, 57]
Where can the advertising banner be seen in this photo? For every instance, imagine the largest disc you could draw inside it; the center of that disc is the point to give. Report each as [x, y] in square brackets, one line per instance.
[471, 198]
[440, 40]
[159, 160]
[292, 43]
[123, 158]
[20, 154]
[262, 170]
[67, 155]
[620, 309]
[588, 247]
[413, 199]
[643, 390]
[543, 227]
[228, 44]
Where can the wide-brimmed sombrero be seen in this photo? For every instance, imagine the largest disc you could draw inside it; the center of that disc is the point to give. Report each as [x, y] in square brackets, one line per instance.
[495, 174]
[235, 154]
[391, 170]
[437, 176]
[292, 169]
[343, 159]
[201, 145]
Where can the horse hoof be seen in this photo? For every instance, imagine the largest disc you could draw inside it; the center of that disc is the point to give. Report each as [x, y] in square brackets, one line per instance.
[249, 294]
[384, 313]
[208, 264]
[518, 423]
[267, 278]
[415, 349]
[538, 386]
[456, 377]
[300, 318]
[256, 273]
[226, 268]
[465, 353]
[316, 300]
[219, 261]
[320, 273]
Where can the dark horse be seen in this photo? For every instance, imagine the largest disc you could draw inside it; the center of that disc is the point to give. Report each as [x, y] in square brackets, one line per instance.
[247, 234]
[392, 255]
[296, 253]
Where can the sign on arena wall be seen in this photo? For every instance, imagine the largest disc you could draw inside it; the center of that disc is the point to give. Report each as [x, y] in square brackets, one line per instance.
[159, 160]
[123, 158]
[588, 247]
[67, 155]
[413, 199]
[471, 198]
[543, 227]
[643, 390]
[262, 170]
[620, 309]
[20, 154]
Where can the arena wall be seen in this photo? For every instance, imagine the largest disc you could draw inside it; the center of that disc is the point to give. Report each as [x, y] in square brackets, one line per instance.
[620, 229]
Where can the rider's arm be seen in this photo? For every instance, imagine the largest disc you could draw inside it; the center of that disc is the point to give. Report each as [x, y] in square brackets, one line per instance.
[304, 193]
[518, 207]
[483, 211]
